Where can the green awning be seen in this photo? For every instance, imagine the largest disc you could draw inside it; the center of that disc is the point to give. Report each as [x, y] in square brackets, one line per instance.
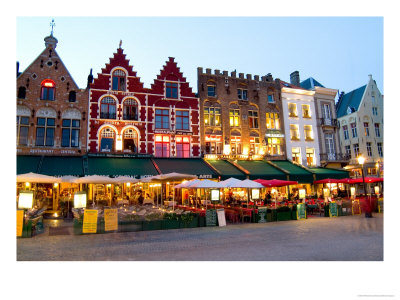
[323, 173]
[261, 170]
[226, 169]
[121, 166]
[28, 163]
[62, 166]
[296, 172]
[193, 166]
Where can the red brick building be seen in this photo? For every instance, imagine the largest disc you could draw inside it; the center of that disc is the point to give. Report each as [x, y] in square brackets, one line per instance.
[126, 118]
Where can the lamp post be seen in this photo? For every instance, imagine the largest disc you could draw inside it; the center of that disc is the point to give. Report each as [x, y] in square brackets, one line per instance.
[361, 161]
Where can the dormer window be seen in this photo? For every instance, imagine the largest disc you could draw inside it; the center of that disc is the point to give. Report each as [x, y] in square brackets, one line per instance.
[171, 90]
[48, 88]
[118, 80]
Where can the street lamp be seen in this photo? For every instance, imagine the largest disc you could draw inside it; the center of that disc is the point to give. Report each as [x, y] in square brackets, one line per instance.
[361, 161]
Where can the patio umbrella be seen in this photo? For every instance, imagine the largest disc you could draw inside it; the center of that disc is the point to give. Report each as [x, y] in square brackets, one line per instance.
[250, 184]
[94, 179]
[125, 179]
[37, 178]
[232, 183]
[328, 180]
[68, 179]
[275, 182]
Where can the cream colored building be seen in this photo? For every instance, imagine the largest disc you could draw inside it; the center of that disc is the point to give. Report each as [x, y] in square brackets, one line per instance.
[360, 115]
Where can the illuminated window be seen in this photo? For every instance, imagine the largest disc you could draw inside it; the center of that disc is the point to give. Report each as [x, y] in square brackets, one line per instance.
[296, 155]
[119, 80]
[236, 145]
[242, 94]
[254, 145]
[108, 108]
[162, 145]
[308, 134]
[70, 133]
[45, 129]
[292, 110]
[212, 116]
[310, 157]
[107, 137]
[274, 146]
[213, 144]
[253, 119]
[162, 119]
[22, 130]
[182, 146]
[366, 129]
[182, 120]
[171, 90]
[234, 117]
[306, 111]
[130, 140]
[294, 132]
[211, 90]
[130, 109]
[48, 90]
[273, 121]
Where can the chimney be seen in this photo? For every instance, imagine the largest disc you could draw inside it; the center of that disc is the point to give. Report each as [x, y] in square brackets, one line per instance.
[89, 79]
[17, 68]
[295, 78]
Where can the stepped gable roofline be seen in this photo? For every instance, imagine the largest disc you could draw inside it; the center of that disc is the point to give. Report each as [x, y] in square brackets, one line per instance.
[351, 99]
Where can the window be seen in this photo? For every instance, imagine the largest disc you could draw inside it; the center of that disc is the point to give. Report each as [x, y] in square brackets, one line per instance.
[330, 146]
[354, 129]
[162, 145]
[273, 121]
[306, 111]
[345, 132]
[326, 111]
[130, 140]
[274, 146]
[292, 110]
[296, 155]
[380, 149]
[310, 157]
[254, 145]
[45, 128]
[72, 96]
[108, 108]
[377, 131]
[212, 116]
[253, 119]
[162, 119]
[107, 140]
[234, 117]
[236, 145]
[211, 90]
[22, 130]
[213, 144]
[130, 109]
[271, 98]
[366, 129]
[171, 90]
[21, 92]
[308, 134]
[375, 111]
[48, 88]
[356, 150]
[348, 151]
[70, 133]
[294, 132]
[182, 120]
[242, 94]
[118, 80]
[369, 149]
[182, 146]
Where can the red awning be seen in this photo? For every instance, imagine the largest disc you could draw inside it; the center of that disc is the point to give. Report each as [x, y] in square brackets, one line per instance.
[275, 182]
[329, 180]
[360, 180]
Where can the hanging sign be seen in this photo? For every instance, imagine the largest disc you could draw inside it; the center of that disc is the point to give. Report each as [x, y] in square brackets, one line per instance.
[110, 219]
[90, 221]
[221, 217]
[301, 211]
[333, 211]
[20, 221]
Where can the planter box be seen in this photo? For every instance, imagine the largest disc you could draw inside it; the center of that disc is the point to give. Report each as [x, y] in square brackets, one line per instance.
[129, 226]
[152, 225]
[77, 227]
[171, 224]
[284, 216]
[293, 215]
[192, 224]
[271, 216]
[202, 221]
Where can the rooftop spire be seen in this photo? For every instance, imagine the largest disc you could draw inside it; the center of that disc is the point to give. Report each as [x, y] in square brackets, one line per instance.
[52, 24]
[120, 43]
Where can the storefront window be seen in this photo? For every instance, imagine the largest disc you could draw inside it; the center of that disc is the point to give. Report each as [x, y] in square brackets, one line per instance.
[254, 145]
[162, 145]
[107, 140]
[130, 140]
[236, 145]
[213, 144]
[182, 146]
[274, 146]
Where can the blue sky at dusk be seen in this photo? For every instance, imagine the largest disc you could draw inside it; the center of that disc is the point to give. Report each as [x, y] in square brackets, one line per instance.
[339, 52]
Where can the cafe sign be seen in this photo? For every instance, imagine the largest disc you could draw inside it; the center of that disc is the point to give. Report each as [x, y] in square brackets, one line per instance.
[274, 134]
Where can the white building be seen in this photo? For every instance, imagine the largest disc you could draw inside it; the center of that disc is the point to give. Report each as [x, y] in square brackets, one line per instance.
[360, 114]
[302, 144]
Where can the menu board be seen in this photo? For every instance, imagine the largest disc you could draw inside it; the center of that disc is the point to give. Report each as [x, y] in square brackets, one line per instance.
[90, 221]
[355, 207]
[333, 211]
[214, 195]
[301, 211]
[262, 212]
[211, 217]
[380, 205]
[255, 194]
[110, 219]
[20, 221]
[221, 217]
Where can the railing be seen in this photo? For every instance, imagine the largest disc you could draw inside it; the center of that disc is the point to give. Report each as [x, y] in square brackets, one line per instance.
[334, 157]
[328, 122]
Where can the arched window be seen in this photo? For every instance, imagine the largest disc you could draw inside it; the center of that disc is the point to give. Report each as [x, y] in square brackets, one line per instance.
[108, 108]
[107, 137]
[119, 80]
[48, 90]
[21, 92]
[130, 140]
[130, 108]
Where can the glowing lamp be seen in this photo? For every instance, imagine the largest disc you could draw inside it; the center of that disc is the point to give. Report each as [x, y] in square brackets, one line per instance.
[302, 193]
[376, 190]
[352, 191]
[227, 149]
[27, 184]
[80, 200]
[128, 184]
[361, 160]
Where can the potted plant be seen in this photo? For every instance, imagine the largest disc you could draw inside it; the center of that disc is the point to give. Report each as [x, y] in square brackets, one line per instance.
[188, 220]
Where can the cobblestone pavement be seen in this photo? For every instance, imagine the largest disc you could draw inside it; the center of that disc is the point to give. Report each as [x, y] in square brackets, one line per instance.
[350, 238]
